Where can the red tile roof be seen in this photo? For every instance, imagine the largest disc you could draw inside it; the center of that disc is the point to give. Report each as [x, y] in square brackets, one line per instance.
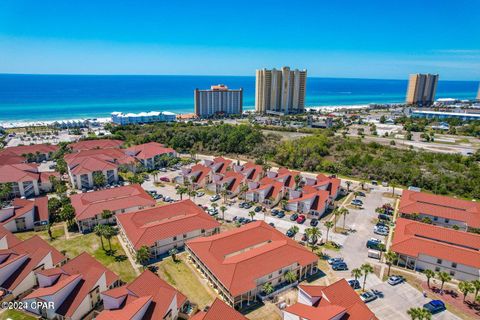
[97, 160]
[22, 206]
[219, 310]
[146, 287]
[320, 201]
[440, 206]
[233, 179]
[253, 170]
[335, 299]
[11, 239]
[239, 257]
[19, 172]
[7, 158]
[224, 164]
[413, 238]
[145, 227]
[148, 150]
[275, 187]
[88, 205]
[35, 249]
[90, 271]
[200, 171]
[34, 148]
[95, 144]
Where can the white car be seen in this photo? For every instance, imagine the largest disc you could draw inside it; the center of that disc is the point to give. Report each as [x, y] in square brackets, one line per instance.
[214, 198]
[380, 230]
[394, 280]
[368, 296]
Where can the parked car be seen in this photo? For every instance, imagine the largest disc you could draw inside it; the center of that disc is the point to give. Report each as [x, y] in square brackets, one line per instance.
[383, 217]
[314, 222]
[272, 224]
[435, 306]
[163, 170]
[375, 182]
[334, 260]
[394, 280]
[274, 212]
[381, 230]
[373, 243]
[339, 266]
[200, 194]
[241, 220]
[258, 209]
[290, 233]
[361, 194]
[164, 179]
[301, 219]
[281, 214]
[304, 237]
[215, 198]
[368, 296]
[294, 217]
[374, 254]
[357, 202]
[247, 205]
[355, 284]
[242, 204]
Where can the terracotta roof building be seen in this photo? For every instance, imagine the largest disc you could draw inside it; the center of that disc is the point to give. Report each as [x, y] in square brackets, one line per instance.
[32, 153]
[24, 214]
[165, 227]
[21, 259]
[239, 262]
[219, 164]
[25, 178]
[147, 298]
[150, 154]
[219, 310]
[74, 288]
[422, 246]
[7, 239]
[199, 175]
[95, 144]
[336, 301]
[268, 191]
[442, 210]
[90, 205]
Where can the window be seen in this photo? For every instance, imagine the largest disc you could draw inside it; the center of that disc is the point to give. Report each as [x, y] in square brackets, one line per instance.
[203, 230]
[175, 238]
[184, 236]
[454, 264]
[437, 269]
[280, 271]
[452, 273]
[435, 218]
[439, 261]
[270, 277]
[447, 220]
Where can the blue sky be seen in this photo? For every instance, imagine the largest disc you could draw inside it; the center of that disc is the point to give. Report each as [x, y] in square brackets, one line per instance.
[342, 38]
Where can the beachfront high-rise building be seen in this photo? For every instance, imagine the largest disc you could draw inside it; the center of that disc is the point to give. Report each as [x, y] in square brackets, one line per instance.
[421, 89]
[280, 91]
[478, 93]
[218, 99]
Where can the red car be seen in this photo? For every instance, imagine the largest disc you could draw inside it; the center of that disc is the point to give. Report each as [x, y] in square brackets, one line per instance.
[165, 179]
[301, 219]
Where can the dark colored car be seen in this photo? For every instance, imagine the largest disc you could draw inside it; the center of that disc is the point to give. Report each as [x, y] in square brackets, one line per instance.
[383, 217]
[290, 233]
[258, 209]
[294, 217]
[314, 222]
[301, 219]
[272, 224]
[241, 219]
[281, 214]
[340, 266]
[274, 212]
[435, 306]
[373, 244]
[355, 284]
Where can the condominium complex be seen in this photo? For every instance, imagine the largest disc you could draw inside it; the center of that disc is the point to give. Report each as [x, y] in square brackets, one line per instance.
[421, 89]
[121, 118]
[280, 91]
[218, 100]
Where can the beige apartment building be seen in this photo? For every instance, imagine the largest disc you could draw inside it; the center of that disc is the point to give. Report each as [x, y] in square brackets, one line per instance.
[218, 99]
[280, 91]
[421, 89]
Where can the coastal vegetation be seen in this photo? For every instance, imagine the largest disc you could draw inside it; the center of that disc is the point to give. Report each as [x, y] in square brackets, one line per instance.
[453, 174]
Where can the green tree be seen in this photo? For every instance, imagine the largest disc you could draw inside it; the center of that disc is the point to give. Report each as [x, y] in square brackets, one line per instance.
[173, 253]
[366, 270]
[443, 277]
[54, 208]
[348, 183]
[181, 191]
[336, 214]
[465, 287]
[357, 273]
[99, 179]
[290, 276]
[344, 212]
[5, 191]
[476, 286]
[68, 214]
[142, 256]
[390, 258]
[419, 314]
[328, 225]
[109, 233]
[99, 231]
[283, 204]
[223, 209]
[268, 288]
[393, 184]
[251, 214]
[107, 214]
[243, 190]
[429, 274]
[313, 234]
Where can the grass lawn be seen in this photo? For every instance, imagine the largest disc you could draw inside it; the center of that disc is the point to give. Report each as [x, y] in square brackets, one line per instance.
[89, 243]
[15, 315]
[58, 232]
[179, 275]
[265, 312]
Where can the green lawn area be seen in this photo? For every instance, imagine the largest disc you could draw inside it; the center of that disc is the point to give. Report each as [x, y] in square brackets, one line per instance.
[15, 315]
[179, 275]
[118, 262]
[58, 232]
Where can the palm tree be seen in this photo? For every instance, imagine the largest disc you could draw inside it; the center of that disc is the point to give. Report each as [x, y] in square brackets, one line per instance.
[283, 204]
[173, 253]
[106, 214]
[297, 179]
[268, 288]
[476, 286]
[223, 209]
[336, 213]
[214, 205]
[381, 248]
[109, 233]
[416, 313]
[344, 212]
[224, 192]
[181, 191]
[295, 229]
[356, 194]
[49, 230]
[429, 274]
[465, 287]
[348, 183]
[328, 225]
[193, 194]
[251, 214]
[99, 230]
[312, 236]
[357, 273]
[68, 214]
[443, 277]
[5, 190]
[143, 255]
[390, 258]
[393, 184]
[366, 269]
[290, 276]
[243, 190]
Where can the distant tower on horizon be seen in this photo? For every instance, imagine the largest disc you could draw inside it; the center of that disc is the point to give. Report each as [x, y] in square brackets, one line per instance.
[218, 99]
[478, 93]
[421, 89]
[280, 91]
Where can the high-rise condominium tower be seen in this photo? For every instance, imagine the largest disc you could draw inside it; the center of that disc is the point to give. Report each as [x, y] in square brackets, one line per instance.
[421, 89]
[219, 99]
[280, 91]
[478, 93]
